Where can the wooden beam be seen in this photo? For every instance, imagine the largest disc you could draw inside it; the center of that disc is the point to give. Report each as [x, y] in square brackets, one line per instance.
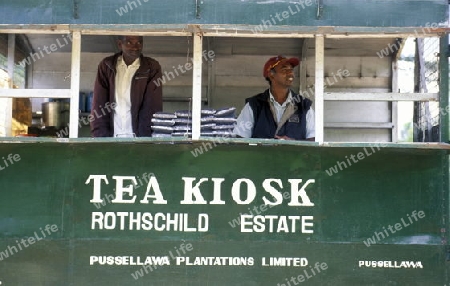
[136, 33]
[381, 96]
[35, 93]
[9, 102]
[181, 99]
[14, 29]
[75, 84]
[379, 35]
[197, 85]
[394, 109]
[11, 54]
[366, 125]
[223, 30]
[354, 82]
[258, 35]
[319, 96]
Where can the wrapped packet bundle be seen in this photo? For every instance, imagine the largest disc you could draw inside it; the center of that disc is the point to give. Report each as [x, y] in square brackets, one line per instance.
[162, 124]
[225, 121]
[213, 123]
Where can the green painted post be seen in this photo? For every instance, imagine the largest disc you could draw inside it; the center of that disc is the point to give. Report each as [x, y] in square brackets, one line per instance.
[444, 104]
[444, 89]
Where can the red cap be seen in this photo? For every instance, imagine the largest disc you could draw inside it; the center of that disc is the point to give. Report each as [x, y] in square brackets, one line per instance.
[273, 62]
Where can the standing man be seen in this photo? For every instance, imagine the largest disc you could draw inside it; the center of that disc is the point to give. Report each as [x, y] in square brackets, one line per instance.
[126, 81]
[278, 112]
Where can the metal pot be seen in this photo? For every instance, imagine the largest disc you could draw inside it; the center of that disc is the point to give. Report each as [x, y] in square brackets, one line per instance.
[55, 113]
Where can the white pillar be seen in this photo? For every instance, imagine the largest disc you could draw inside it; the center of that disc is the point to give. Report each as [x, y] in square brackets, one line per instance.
[7, 111]
[197, 85]
[319, 105]
[75, 84]
[394, 111]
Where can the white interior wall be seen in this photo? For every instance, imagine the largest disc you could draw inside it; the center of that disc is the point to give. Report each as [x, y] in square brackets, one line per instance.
[53, 71]
[367, 73]
[238, 77]
[235, 73]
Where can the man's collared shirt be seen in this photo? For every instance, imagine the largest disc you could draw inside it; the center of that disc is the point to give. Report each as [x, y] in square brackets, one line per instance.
[279, 108]
[245, 121]
[122, 113]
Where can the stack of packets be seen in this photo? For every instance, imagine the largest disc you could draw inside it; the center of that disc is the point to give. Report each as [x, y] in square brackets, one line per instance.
[213, 123]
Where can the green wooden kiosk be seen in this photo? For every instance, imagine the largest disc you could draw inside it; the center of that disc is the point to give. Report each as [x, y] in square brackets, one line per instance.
[226, 211]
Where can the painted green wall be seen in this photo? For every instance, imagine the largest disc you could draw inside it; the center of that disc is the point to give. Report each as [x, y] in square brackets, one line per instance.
[48, 186]
[363, 13]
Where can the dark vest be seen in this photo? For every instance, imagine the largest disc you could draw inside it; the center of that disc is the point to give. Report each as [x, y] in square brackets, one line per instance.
[265, 125]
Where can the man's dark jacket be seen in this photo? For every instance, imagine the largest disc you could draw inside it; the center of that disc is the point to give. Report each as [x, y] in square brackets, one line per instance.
[265, 125]
[145, 94]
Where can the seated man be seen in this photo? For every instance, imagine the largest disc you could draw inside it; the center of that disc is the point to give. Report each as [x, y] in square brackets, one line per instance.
[278, 112]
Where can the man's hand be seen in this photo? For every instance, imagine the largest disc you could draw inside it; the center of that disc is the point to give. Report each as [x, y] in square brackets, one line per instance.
[289, 138]
[283, 137]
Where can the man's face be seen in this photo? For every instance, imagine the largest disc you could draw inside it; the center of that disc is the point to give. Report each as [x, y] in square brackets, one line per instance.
[131, 47]
[283, 74]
